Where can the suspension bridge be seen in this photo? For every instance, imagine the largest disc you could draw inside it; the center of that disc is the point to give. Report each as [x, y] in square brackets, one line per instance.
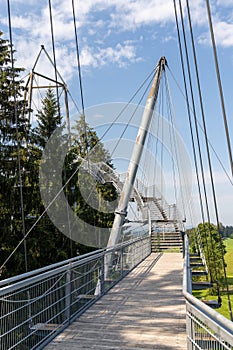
[127, 295]
[136, 290]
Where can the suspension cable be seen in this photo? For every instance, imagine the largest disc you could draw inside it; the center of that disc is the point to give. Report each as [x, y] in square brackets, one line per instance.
[209, 160]
[172, 133]
[162, 135]
[78, 59]
[79, 73]
[126, 106]
[189, 112]
[59, 75]
[128, 123]
[219, 85]
[17, 140]
[190, 126]
[130, 119]
[157, 128]
[201, 128]
[194, 114]
[54, 54]
[120, 113]
[38, 219]
[214, 151]
[197, 137]
[56, 196]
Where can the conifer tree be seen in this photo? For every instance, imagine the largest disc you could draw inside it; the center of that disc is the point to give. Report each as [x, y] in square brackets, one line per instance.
[14, 134]
[49, 118]
[88, 146]
[45, 244]
[48, 244]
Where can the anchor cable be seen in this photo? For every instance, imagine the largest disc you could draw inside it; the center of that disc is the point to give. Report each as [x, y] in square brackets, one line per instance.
[219, 85]
[54, 55]
[17, 139]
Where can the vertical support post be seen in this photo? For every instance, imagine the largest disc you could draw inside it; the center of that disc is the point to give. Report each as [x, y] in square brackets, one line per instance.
[67, 294]
[30, 87]
[183, 243]
[122, 262]
[188, 330]
[121, 211]
[102, 286]
[67, 115]
[149, 221]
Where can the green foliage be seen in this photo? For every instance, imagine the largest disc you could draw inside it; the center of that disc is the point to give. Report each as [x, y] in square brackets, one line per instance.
[206, 294]
[21, 144]
[86, 145]
[228, 232]
[14, 136]
[229, 257]
[49, 118]
[213, 249]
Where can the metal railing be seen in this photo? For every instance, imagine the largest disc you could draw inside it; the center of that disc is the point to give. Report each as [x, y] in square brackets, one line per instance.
[38, 305]
[206, 328]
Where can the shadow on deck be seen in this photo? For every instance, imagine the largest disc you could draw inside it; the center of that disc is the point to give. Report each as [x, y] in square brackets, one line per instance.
[145, 310]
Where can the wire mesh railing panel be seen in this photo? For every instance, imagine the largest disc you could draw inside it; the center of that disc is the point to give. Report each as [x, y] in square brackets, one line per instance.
[206, 328]
[25, 310]
[35, 309]
[203, 337]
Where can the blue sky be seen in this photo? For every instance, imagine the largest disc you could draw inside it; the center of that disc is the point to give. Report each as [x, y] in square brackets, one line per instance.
[120, 43]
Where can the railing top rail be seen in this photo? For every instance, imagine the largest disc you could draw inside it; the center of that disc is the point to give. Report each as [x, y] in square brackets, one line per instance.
[37, 308]
[56, 268]
[220, 324]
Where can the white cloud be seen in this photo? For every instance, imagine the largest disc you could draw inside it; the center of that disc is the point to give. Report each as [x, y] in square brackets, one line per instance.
[132, 14]
[198, 13]
[227, 3]
[221, 19]
[104, 29]
[121, 54]
[224, 34]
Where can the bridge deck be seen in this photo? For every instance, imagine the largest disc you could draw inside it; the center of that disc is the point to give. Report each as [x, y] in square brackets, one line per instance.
[145, 310]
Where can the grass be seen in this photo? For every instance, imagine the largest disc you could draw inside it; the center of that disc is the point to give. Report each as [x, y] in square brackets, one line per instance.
[229, 257]
[172, 250]
[204, 294]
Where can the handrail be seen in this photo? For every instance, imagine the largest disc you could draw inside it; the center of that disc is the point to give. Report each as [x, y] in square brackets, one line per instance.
[38, 305]
[203, 323]
[64, 263]
[29, 274]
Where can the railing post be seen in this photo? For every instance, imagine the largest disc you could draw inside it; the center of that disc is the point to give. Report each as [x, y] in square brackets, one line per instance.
[102, 274]
[188, 329]
[122, 262]
[183, 242]
[68, 294]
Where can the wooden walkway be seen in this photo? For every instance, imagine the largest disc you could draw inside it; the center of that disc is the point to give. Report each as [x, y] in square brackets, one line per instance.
[146, 310]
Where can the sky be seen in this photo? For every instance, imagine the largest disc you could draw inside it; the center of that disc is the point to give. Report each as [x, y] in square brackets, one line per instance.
[120, 43]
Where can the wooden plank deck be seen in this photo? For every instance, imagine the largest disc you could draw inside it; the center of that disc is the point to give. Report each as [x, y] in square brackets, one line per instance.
[146, 310]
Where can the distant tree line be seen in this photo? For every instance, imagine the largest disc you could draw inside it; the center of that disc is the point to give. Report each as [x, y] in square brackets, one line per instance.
[21, 149]
[226, 231]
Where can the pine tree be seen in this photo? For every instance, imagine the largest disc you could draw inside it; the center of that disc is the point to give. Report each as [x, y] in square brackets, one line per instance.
[14, 134]
[87, 145]
[47, 244]
[49, 118]
[18, 141]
